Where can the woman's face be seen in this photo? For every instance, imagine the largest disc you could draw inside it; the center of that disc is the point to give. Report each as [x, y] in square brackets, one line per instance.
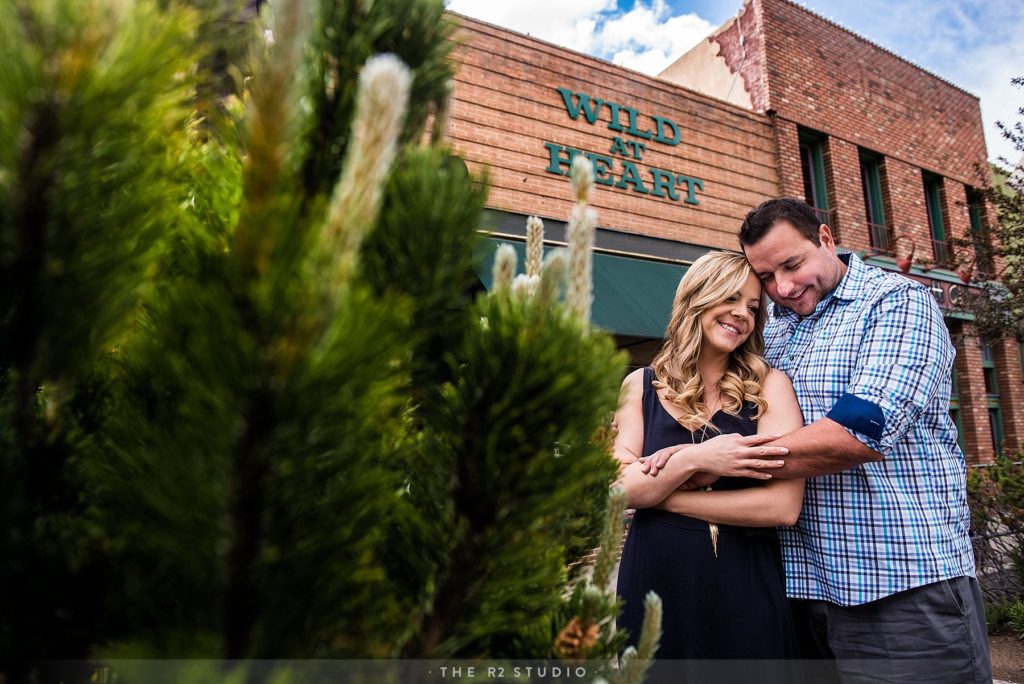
[728, 324]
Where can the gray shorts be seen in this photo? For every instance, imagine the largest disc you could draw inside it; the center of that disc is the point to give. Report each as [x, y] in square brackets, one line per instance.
[934, 634]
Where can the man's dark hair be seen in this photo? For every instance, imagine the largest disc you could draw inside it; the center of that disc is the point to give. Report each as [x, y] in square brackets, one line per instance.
[768, 213]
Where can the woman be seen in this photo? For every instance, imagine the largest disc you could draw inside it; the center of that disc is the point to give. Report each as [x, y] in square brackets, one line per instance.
[712, 556]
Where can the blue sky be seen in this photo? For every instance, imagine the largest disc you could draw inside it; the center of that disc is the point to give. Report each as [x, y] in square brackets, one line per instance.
[975, 44]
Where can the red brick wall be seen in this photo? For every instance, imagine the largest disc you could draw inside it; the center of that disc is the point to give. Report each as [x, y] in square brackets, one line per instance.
[846, 198]
[834, 81]
[800, 69]
[974, 410]
[830, 80]
[506, 106]
[1011, 392]
[787, 156]
[747, 58]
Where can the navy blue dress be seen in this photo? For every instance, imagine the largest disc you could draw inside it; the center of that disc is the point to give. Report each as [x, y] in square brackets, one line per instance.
[732, 606]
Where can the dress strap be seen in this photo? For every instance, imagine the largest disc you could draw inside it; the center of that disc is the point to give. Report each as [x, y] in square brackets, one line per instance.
[650, 397]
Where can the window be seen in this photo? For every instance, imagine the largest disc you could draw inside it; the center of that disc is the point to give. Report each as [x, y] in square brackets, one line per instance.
[954, 411]
[979, 238]
[995, 419]
[874, 211]
[1020, 353]
[995, 424]
[936, 221]
[812, 164]
[988, 363]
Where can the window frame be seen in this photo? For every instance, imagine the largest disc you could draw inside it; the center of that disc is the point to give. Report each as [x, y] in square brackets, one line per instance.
[976, 215]
[812, 150]
[992, 398]
[879, 233]
[936, 217]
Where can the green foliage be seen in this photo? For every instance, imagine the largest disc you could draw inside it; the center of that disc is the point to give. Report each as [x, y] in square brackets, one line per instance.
[998, 305]
[210, 444]
[422, 249]
[634, 662]
[348, 32]
[93, 111]
[996, 498]
[1016, 619]
[1005, 615]
[593, 604]
[519, 478]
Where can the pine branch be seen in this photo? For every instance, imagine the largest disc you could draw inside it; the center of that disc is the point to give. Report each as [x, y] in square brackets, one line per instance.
[250, 469]
[611, 539]
[30, 218]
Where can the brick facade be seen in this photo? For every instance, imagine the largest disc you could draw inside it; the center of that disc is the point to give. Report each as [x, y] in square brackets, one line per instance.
[1011, 390]
[862, 97]
[506, 106]
[743, 100]
[977, 436]
[827, 79]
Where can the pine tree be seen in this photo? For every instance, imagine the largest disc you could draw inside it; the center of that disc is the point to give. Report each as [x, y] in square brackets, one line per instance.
[253, 404]
[93, 112]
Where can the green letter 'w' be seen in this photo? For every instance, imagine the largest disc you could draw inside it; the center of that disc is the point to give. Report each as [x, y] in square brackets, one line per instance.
[583, 102]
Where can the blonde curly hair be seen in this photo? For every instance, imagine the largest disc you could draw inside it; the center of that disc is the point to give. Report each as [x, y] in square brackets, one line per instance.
[711, 280]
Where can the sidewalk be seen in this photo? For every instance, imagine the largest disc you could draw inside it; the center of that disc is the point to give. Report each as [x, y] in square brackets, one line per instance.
[1007, 659]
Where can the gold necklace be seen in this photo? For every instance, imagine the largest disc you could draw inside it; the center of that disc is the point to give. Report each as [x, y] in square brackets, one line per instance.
[712, 527]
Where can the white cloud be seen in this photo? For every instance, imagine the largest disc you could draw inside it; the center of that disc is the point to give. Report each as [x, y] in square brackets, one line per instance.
[647, 38]
[986, 71]
[569, 23]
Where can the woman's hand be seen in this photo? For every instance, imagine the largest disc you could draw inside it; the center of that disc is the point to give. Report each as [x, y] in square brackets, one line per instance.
[650, 465]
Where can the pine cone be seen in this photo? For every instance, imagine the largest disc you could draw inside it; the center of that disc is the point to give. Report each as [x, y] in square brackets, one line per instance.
[577, 639]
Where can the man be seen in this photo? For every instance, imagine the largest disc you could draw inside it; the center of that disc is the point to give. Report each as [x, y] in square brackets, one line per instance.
[879, 567]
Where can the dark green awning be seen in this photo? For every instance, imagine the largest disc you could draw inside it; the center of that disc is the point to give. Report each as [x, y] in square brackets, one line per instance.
[631, 296]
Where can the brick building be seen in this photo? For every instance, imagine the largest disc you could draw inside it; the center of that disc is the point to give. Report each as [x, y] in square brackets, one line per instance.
[776, 102]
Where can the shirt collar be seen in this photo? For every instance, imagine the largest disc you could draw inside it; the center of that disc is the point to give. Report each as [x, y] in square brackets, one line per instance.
[849, 288]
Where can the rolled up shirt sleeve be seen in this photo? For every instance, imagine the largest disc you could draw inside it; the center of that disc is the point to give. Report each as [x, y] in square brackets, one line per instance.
[904, 357]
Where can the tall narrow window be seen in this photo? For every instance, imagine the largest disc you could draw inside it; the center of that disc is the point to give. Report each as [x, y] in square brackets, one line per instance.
[871, 182]
[1020, 353]
[995, 418]
[936, 221]
[812, 164]
[979, 238]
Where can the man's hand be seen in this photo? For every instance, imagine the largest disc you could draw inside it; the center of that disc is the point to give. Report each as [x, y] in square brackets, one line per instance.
[733, 455]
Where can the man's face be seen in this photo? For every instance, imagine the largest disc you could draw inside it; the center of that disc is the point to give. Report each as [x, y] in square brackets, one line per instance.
[795, 273]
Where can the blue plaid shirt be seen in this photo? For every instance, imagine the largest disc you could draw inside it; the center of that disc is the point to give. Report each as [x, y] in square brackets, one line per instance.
[878, 528]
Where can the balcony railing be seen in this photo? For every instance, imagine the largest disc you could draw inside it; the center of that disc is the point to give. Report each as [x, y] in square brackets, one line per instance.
[983, 265]
[824, 216]
[942, 253]
[881, 239]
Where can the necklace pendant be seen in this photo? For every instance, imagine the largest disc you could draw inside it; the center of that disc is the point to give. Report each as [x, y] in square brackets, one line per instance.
[713, 529]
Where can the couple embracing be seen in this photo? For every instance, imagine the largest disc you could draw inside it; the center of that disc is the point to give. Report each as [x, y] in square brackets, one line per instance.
[824, 414]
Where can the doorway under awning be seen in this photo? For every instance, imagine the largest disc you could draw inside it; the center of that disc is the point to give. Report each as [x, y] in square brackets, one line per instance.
[632, 296]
